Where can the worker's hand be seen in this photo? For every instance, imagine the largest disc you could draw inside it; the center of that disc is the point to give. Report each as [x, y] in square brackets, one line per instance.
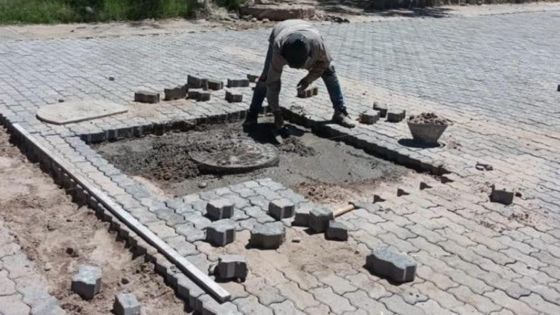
[303, 84]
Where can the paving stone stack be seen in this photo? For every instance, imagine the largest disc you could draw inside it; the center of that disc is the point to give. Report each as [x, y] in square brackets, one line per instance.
[87, 282]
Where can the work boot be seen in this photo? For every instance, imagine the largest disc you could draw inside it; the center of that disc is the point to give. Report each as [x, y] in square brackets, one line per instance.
[251, 119]
[343, 119]
[278, 120]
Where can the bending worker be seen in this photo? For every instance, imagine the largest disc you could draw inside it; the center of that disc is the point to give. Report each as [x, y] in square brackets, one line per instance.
[299, 45]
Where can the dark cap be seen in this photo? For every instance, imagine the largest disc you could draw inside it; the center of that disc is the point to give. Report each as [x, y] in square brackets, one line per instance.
[296, 50]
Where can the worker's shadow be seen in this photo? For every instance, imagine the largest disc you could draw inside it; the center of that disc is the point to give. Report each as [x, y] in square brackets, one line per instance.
[263, 132]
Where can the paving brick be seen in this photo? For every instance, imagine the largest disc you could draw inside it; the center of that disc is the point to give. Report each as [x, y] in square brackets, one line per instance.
[319, 219]
[395, 115]
[369, 117]
[220, 233]
[231, 267]
[146, 97]
[505, 301]
[285, 308]
[219, 209]
[12, 304]
[126, 304]
[480, 302]
[301, 298]
[251, 305]
[361, 300]
[17, 265]
[234, 83]
[536, 302]
[215, 84]
[388, 262]
[337, 231]
[281, 209]
[336, 303]
[87, 282]
[233, 97]
[501, 195]
[7, 286]
[175, 93]
[397, 305]
[268, 235]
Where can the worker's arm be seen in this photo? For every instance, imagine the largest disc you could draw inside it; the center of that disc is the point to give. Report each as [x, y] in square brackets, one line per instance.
[273, 79]
[322, 61]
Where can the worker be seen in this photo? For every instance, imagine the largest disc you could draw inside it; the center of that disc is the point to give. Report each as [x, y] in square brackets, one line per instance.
[299, 45]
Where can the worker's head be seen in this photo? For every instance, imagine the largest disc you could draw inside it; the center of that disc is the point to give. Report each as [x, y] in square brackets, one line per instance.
[296, 50]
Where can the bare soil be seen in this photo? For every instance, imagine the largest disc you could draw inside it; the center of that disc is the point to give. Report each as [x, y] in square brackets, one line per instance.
[59, 236]
[323, 170]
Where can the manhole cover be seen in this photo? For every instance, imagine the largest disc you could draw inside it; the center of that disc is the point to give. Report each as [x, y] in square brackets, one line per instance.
[233, 155]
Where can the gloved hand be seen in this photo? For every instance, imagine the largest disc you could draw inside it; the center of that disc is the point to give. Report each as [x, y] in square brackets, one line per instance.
[303, 84]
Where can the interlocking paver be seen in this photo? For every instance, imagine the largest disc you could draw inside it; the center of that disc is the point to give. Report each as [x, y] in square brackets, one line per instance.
[336, 303]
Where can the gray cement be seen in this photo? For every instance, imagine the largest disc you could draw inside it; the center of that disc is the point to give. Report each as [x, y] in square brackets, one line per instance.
[305, 159]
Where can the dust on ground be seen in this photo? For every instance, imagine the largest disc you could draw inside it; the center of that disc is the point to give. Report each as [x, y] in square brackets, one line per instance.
[58, 236]
[321, 169]
[300, 255]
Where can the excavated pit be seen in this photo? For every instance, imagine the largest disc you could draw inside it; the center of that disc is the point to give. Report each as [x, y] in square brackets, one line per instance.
[321, 169]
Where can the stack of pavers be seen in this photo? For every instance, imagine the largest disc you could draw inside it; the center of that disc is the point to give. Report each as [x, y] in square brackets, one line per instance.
[198, 89]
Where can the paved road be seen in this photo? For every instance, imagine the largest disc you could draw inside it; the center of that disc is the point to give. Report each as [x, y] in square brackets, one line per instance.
[495, 76]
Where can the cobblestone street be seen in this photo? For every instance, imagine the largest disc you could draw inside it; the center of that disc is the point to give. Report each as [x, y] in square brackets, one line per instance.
[495, 77]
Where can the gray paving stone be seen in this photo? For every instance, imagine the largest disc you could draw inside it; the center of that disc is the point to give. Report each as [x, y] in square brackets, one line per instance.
[319, 219]
[126, 304]
[336, 303]
[337, 231]
[231, 267]
[268, 235]
[175, 93]
[501, 195]
[146, 97]
[388, 262]
[87, 282]
[221, 233]
[219, 209]
[281, 209]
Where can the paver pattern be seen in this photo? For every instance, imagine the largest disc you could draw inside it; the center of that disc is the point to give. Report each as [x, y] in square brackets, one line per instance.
[23, 290]
[494, 76]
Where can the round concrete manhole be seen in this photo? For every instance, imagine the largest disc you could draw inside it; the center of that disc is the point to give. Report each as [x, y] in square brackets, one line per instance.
[233, 155]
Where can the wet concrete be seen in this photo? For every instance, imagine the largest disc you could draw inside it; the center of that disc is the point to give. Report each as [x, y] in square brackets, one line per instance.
[307, 164]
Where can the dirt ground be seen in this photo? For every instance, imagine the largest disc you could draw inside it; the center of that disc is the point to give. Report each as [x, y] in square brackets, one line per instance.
[221, 21]
[58, 236]
[321, 169]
